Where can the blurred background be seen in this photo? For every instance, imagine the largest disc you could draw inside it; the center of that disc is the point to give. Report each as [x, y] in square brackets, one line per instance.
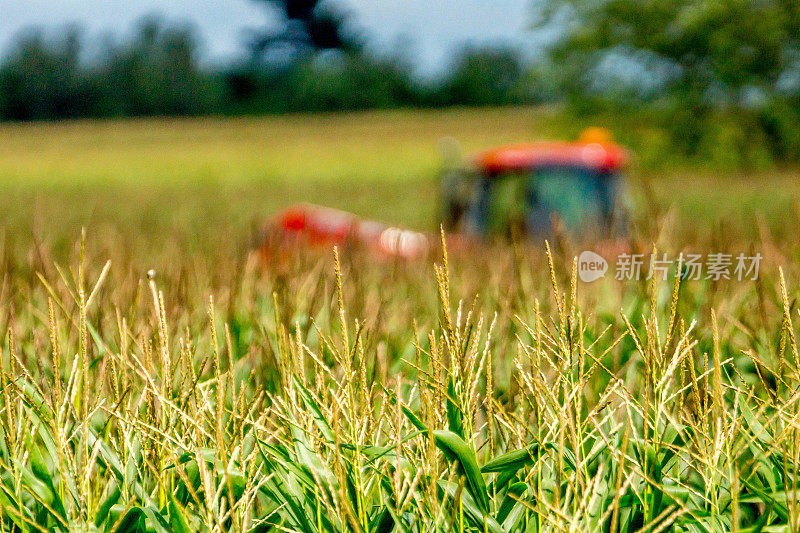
[176, 125]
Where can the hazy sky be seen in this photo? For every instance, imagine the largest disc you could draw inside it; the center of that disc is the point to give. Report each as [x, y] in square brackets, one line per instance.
[435, 27]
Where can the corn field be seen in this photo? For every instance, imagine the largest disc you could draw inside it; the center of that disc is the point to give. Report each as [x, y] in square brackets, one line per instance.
[331, 394]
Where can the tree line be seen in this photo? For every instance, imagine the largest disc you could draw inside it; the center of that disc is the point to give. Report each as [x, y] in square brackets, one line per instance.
[721, 78]
[157, 72]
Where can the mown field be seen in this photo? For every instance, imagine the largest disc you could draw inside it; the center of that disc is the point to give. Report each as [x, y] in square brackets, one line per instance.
[158, 377]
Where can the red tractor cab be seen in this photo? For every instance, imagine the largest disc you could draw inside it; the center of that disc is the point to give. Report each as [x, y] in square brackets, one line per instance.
[529, 188]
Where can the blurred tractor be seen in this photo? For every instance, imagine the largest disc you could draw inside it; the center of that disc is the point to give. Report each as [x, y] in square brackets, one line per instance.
[531, 190]
[537, 188]
[307, 225]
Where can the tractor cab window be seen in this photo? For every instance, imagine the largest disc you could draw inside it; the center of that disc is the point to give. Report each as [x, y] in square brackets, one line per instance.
[507, 205]
[518, 203]
[582, 198]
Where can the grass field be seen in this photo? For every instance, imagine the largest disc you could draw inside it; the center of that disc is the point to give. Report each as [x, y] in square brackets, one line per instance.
[157, 377]
[185, 178]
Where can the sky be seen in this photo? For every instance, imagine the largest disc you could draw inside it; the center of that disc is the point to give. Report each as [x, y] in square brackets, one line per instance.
[434, 28]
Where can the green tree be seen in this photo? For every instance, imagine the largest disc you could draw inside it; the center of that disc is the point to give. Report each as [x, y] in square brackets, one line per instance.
[485, 76]
[157, 73]
[42, 80]
[724, 47]
[735, 57]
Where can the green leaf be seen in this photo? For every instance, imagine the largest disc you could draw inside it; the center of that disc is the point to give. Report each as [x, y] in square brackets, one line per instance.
[102, 511]
[511, 461]
[156, 520]
[455, 416]
[132, 522]
[319, 419]
[758, 527]
[517, 489]
[456, 449]
[177, 522]
[414, 419]
[480, 520]
[779, 508]
[137, 519]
